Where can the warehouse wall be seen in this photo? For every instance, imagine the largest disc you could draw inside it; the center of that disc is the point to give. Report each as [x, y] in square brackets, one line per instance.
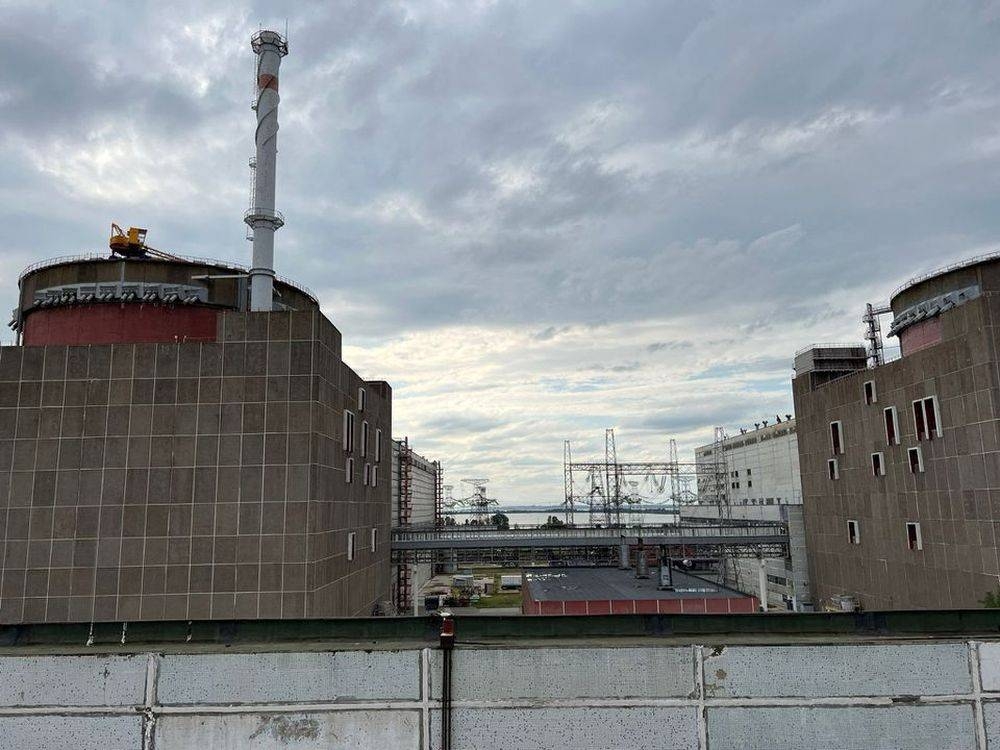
[940, 694]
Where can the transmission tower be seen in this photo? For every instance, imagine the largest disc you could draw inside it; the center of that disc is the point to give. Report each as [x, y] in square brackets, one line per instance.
[674, 471]
[595, 498]
[613, 490]
[612, 481]
[478, 502]
[721, 474]
[568, 483]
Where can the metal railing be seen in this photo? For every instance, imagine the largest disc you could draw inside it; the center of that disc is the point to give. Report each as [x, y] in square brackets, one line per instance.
[976, 259]
[225, 264]
[268, 214]
[835, 345]
[694, 531]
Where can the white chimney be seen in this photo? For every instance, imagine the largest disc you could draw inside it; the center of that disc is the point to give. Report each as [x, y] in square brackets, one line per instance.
[270, 47]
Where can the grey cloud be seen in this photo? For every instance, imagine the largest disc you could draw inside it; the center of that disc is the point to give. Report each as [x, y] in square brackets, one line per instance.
[464, 423]
[660, 346]
[548, 333]
[527, 166]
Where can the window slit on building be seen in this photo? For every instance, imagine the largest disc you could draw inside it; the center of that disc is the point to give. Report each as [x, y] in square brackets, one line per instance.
[925, 418]
[348, 431]
[870, 394]
[836, 438]
[853, 533]
[878, 466]
[891, 434]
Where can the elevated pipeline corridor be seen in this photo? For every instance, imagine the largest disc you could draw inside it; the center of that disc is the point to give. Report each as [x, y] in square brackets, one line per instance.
[472, 544]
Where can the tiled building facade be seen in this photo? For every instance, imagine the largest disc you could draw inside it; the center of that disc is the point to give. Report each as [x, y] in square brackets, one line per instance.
[901, 462]
[194, 480]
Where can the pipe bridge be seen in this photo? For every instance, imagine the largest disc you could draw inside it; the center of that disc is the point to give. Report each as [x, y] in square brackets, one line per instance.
[745, 539]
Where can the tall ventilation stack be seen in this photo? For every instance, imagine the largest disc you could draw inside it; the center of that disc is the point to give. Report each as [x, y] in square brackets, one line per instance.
[261, 217]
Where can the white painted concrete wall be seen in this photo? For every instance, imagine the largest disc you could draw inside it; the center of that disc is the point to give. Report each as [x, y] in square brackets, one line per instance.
[763, 465]
[933, 694]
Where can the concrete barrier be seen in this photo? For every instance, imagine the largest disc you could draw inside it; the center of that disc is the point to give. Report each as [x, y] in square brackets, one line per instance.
[942, 693]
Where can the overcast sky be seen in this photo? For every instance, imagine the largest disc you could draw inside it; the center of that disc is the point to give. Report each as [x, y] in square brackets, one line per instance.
[535, 219]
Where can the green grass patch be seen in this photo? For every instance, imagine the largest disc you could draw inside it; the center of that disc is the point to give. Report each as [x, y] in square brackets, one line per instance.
[503, 599]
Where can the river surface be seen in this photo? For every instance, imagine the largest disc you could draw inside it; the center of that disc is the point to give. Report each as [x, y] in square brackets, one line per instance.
[537, 519]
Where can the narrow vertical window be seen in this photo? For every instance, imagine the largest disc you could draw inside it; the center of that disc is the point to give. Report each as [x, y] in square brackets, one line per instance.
[378, 445]
[362, 399]
[913, 538]
[367, 474]
[930, 417]
[351, 540]
[349, 470]
[375, 476]
[853, 533]
[927, 418]
[348, 431]
[836, 438]
[916, 457]
[918, 420]
[870, 395]
[374, 539]
[364, 439]
[891, 426]
[878, 465]
[833, 468]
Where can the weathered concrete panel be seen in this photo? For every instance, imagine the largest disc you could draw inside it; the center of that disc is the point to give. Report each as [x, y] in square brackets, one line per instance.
[72, 680]
[76, 732]
[844, 728]
[991, 714]
[989, 661]
[808, 671]
[492, 674]
[289, 677]
[302, 731]
[647, 728]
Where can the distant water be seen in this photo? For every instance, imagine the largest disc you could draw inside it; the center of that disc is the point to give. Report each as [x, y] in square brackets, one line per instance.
[537, 519]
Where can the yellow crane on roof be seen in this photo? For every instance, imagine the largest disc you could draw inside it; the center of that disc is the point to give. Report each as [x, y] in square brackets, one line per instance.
[132, 244]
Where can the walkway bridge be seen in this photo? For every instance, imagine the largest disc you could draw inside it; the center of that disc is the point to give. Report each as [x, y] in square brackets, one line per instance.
[704, 540]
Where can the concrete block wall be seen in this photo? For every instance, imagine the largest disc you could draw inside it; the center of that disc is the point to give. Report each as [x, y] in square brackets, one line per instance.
[955, 499]
[190, 480]
[932, 694]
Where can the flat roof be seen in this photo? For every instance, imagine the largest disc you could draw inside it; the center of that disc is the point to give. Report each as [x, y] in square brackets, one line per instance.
[588, 584]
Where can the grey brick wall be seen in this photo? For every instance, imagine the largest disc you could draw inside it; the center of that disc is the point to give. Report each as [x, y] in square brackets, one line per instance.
[189, 480]
[956, 500]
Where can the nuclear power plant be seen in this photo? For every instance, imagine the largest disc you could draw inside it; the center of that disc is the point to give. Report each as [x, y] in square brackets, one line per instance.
[210, 536]
[181, 439]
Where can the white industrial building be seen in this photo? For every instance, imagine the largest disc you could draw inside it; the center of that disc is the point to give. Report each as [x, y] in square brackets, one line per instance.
[763, 484]
[416, 491]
